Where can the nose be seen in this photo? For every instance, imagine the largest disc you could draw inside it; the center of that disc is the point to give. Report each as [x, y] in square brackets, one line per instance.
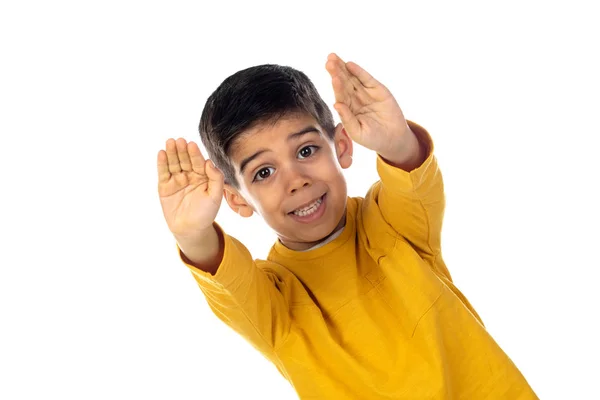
[297, 180]
[294, 189]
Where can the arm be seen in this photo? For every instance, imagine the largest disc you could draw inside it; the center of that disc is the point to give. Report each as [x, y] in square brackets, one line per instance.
[251, 300]
[412, 201]
[248, 299]
[206, 253]
[410, 193]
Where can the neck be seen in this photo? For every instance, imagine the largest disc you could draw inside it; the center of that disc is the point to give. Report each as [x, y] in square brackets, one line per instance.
[300, 246]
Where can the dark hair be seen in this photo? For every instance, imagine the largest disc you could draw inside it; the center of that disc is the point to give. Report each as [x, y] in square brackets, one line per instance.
[257, 95]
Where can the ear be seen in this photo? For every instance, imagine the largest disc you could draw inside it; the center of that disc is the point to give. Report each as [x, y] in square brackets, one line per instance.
[236, 202]
[343, 146]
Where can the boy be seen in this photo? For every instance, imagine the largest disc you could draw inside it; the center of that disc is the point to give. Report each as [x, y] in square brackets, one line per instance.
[354, 300]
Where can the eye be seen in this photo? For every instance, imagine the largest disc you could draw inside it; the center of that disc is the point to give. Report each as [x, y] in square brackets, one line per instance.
[307, 151]
[263, 173]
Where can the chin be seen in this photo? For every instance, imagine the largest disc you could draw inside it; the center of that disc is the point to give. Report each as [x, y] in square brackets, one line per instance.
[323, 233]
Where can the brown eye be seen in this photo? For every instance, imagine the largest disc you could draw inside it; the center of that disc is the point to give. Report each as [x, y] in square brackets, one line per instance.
[263, 174]
[307, 151]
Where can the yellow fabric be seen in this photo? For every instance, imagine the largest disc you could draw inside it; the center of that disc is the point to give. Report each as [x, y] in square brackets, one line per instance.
[374, 313]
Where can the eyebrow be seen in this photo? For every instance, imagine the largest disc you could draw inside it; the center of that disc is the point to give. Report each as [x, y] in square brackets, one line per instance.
[293, 136]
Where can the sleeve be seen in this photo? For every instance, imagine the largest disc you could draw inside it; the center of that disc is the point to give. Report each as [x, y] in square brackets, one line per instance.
[413, 203]
[249, 299]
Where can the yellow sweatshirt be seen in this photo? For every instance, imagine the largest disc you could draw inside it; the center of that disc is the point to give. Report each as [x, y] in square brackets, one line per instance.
[374, 313]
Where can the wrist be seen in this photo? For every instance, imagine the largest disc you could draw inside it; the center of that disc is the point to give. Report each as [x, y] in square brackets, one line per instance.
[407, 155]
[204, 249]
[195, 238]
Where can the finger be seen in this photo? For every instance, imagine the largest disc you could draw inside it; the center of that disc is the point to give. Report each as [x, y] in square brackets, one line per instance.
[163, 167]
[339, 90]
[196, 158]
[349, 120]
[172, 158]
[336, 80]
[334, 65]
[182, 154]
[332, 60]
[337, 67]
[351, 91]
[333, 56]
[363, 76]
[215, 181]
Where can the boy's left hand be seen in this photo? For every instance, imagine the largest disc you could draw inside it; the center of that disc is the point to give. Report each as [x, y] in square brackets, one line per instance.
[370, 114]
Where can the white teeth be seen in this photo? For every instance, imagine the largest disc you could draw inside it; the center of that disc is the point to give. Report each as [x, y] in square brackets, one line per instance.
[309, 209]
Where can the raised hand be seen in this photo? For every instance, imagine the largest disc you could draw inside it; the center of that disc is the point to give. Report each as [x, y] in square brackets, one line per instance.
[190, 188]
[368, 110]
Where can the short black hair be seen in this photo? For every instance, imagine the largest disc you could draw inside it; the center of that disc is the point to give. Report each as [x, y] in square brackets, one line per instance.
[257, 95]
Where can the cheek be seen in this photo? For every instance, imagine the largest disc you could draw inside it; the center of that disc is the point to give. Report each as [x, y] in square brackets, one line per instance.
[331, 164]
[333, 173]
[268, 204]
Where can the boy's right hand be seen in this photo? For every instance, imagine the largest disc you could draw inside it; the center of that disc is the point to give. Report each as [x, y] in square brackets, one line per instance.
[190, 188]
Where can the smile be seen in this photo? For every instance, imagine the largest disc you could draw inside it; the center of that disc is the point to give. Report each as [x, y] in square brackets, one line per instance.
[311, 208]
[311, 212]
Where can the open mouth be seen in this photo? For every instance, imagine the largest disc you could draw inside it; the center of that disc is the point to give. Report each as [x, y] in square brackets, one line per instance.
[309, 209]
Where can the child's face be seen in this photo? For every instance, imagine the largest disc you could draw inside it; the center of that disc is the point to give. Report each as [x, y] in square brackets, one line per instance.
[293, 180]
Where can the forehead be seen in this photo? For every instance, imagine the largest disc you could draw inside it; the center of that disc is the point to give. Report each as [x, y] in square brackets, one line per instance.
[263, 136]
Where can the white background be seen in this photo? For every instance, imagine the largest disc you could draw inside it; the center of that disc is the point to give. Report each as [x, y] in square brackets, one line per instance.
[94, 303]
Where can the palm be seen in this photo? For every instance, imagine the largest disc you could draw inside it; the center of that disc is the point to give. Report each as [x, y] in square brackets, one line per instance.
[368, 110]
[371, 117]
[190, 191]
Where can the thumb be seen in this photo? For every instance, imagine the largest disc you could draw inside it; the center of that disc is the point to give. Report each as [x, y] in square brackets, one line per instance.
[215, 180]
